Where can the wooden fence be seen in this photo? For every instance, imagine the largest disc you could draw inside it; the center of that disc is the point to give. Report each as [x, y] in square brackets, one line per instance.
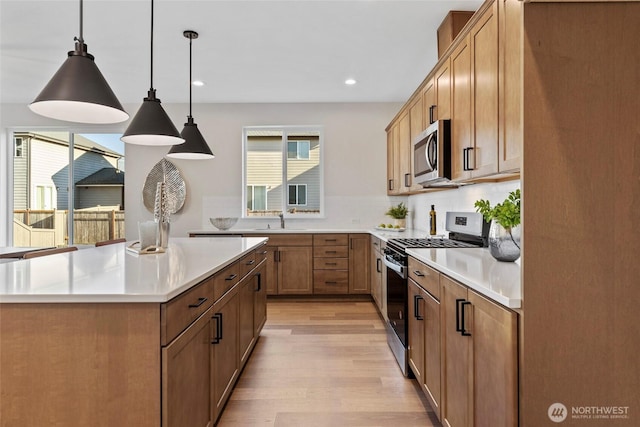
[89, 226]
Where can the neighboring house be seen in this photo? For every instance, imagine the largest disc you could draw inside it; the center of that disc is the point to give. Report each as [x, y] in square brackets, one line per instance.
[41, 172]
[265, 169]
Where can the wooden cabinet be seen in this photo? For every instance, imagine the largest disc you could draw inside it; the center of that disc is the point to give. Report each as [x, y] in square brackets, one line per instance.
[416, 113]
[225, 348]
[260, 300]
[393, 158]
[442, 78]
[461, 110]
[450, 27]
[186, 377]
[404, 161]
[483, 157]
[246, 299]
[424, 330]
[289, 268]
[359, 264]
[376, 268]
[480, 359]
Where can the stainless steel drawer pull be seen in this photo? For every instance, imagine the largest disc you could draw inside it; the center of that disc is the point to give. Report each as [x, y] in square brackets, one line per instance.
[201, 301]
[418, 273]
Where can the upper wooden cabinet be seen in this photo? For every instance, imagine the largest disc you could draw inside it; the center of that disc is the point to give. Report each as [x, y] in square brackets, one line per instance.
[478, 85]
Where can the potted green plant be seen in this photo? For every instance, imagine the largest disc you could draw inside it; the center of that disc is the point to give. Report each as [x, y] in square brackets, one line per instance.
[399, 214]
[504, 234]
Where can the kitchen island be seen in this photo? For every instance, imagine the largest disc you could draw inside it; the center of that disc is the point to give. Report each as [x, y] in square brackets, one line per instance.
[104, 337]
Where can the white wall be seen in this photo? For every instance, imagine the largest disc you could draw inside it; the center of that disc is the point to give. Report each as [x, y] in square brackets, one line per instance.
[354, 165]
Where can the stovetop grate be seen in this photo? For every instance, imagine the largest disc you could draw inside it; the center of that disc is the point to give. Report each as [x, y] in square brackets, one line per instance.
[431, 243]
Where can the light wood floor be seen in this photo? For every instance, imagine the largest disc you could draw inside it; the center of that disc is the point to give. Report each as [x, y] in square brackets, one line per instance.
[324, 364]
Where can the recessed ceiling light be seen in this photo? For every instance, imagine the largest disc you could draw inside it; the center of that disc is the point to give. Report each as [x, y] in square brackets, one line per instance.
[350, 82]
[198, 83]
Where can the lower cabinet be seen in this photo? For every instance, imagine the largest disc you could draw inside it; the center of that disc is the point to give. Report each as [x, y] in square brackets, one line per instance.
[186, 377]
[480, 379]
[376, 267]
[200, 366]
[359, 264]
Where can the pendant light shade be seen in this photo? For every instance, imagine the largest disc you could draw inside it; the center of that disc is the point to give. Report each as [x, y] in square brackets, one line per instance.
[151, 125]
[78, 92]
[195, 147]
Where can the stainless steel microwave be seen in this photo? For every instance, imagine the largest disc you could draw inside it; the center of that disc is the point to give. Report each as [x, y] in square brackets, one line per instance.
[432, 154]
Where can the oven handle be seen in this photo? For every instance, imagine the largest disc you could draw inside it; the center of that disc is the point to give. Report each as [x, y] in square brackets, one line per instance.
[400, 270]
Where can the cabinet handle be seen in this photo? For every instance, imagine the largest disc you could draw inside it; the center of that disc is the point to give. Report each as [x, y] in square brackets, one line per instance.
[331, 263]
[218, 337]
[331, 283]
[331, 252]
[253, 261]
[233, 276]
[458, 327]
[201, 301]
[378, 262]
[263, 253]
[418, 273]
[406, 180]
[330, 240]
[390, 185]
[416, 307]
[259, 277]
[431, 120]
[464, 332]
[466, 164]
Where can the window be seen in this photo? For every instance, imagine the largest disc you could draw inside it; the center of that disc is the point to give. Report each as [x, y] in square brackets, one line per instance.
[298, 195]
[62, 202]
[282, 171]
[257, 197]
[18, 147]
[298, 150]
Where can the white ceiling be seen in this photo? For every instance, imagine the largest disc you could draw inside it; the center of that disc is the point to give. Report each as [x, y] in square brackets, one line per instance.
[248, 51]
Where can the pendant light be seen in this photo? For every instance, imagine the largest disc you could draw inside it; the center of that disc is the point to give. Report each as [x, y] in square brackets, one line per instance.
[151, 125]
[195, 147]
[78, 92]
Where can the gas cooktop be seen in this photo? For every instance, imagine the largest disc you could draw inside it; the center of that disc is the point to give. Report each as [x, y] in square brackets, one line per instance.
[431, 243]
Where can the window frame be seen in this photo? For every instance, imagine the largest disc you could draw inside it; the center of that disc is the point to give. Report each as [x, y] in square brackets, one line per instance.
[253, 192]
[298, 142]
[15, 147]
[285, 132]
[297, 187]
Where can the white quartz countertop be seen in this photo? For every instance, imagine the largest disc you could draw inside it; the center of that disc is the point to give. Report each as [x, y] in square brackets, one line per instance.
[111, 274]
[292, 230]
[477, 269]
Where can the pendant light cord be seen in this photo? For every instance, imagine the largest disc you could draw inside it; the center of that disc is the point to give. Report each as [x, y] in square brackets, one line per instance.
[190, 72]
[81, 38]
[151, 45]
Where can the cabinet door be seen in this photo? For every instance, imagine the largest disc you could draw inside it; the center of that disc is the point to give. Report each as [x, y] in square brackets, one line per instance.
[429, 104]
[260, 300]
[510, 57]
[457, 355]
[432, 365]
[416, 330]
[393, 159]
[484, 53]
[271, 272]
[376, 275]
[359, 264]
[295, 270]
[186, 377]
[495, 363]
[417, 125]
[404, 161]
[461, 119]
[443, 91]
[245, 318]
[225, 319]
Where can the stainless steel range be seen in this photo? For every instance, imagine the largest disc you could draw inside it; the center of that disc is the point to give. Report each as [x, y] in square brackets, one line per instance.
[466, 230]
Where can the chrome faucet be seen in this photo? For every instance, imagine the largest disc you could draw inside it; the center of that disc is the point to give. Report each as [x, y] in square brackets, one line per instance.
[281, 215]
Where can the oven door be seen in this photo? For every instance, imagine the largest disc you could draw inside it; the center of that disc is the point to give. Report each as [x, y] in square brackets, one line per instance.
[397, 305]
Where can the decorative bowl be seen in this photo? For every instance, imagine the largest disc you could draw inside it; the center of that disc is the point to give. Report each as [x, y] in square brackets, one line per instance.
[223, 223]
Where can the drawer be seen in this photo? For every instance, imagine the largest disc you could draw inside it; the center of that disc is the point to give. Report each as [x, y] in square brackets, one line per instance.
[331, 251]
[330, 239]
[177, 314]
[330, 282]
[261, 254]
[225, 279]
[247, 263]
[425, 276]
[331, 263]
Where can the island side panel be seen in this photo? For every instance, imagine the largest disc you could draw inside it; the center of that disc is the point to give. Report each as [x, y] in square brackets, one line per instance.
[80, 365]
